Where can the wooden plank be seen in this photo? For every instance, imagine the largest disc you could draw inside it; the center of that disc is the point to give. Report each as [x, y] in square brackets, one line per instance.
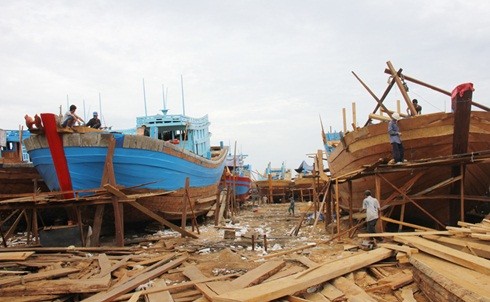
[481, 249]
[14, 256]
[316, 297]
[193, 273]
[402, 248]
[31, 298]
[161, 220]
[407, 295]
[258, 274]
[61, 286]
[476, 263]
[49, 274]
[331, 292]
[135, 282]
[176, 287]
[163, 296]
[411, 225]
[219, 287]
[288, 272]
[152, 260]
[290, 285]
[351, 290]
[365, 235]
[109, 269]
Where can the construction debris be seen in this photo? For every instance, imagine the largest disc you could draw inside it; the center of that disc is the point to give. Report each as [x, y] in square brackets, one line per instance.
[422, 266]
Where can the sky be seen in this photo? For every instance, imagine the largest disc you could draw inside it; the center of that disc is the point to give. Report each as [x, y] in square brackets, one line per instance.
[264, 72]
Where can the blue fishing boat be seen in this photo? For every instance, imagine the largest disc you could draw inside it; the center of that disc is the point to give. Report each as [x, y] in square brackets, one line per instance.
[156, 156]
[238, 176]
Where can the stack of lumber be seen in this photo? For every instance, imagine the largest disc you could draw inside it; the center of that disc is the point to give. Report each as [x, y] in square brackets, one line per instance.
[479, 231]
[448, 266]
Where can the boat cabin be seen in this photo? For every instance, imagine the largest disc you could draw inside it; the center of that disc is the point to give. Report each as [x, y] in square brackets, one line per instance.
[11, 148]
[186, 132]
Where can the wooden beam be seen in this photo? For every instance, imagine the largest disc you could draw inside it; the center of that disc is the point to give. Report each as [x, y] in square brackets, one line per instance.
[412, 201]
[379, 101]
[476, 263]
[408, 234]
[387, 219]
[407, 99]
[163, 221]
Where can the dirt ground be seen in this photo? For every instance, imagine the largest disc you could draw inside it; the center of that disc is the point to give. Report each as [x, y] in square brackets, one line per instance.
[213, 254]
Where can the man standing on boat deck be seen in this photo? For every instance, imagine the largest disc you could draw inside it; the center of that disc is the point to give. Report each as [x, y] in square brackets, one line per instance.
[94, 122]
[70, 118]
[371, 206]
[394, 134]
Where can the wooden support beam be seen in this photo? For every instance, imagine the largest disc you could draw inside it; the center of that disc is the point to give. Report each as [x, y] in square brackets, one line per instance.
[412, 201]
[97, 227]
[399, 83]
[379, 101]
[163, 221]
[401, 223]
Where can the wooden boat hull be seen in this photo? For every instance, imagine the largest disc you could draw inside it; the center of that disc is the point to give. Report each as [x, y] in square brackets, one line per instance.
[20, 178]
[140, 163]
[424, 136]
[278, 189]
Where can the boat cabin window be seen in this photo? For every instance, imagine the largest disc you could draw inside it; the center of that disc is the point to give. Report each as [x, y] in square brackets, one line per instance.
[171, 135]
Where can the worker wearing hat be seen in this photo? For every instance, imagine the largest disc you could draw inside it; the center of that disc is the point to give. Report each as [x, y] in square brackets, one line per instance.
[94, 122]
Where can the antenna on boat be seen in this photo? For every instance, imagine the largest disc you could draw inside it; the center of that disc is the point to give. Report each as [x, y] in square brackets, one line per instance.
[100, 110]
[144, 96]
[164, 101]
[182, 87]
[84, 111]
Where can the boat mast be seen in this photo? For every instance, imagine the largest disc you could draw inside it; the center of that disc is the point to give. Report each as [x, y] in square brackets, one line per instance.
[144, 96]
[100, 109]
[182, 87]
[164, 101]
[84, 111]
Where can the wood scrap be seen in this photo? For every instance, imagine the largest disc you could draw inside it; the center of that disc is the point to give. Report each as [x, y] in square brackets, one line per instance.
[290, 285]
[135, 282]
[351, 290]
[15, 256]
[331, 292]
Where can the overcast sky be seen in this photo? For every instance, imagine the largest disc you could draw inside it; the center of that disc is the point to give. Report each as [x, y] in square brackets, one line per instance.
[264, 71]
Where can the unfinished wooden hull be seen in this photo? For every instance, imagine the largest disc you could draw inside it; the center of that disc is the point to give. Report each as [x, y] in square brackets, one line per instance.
[20, 178]
[277, 189]
[17, 174]
[424, 136]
